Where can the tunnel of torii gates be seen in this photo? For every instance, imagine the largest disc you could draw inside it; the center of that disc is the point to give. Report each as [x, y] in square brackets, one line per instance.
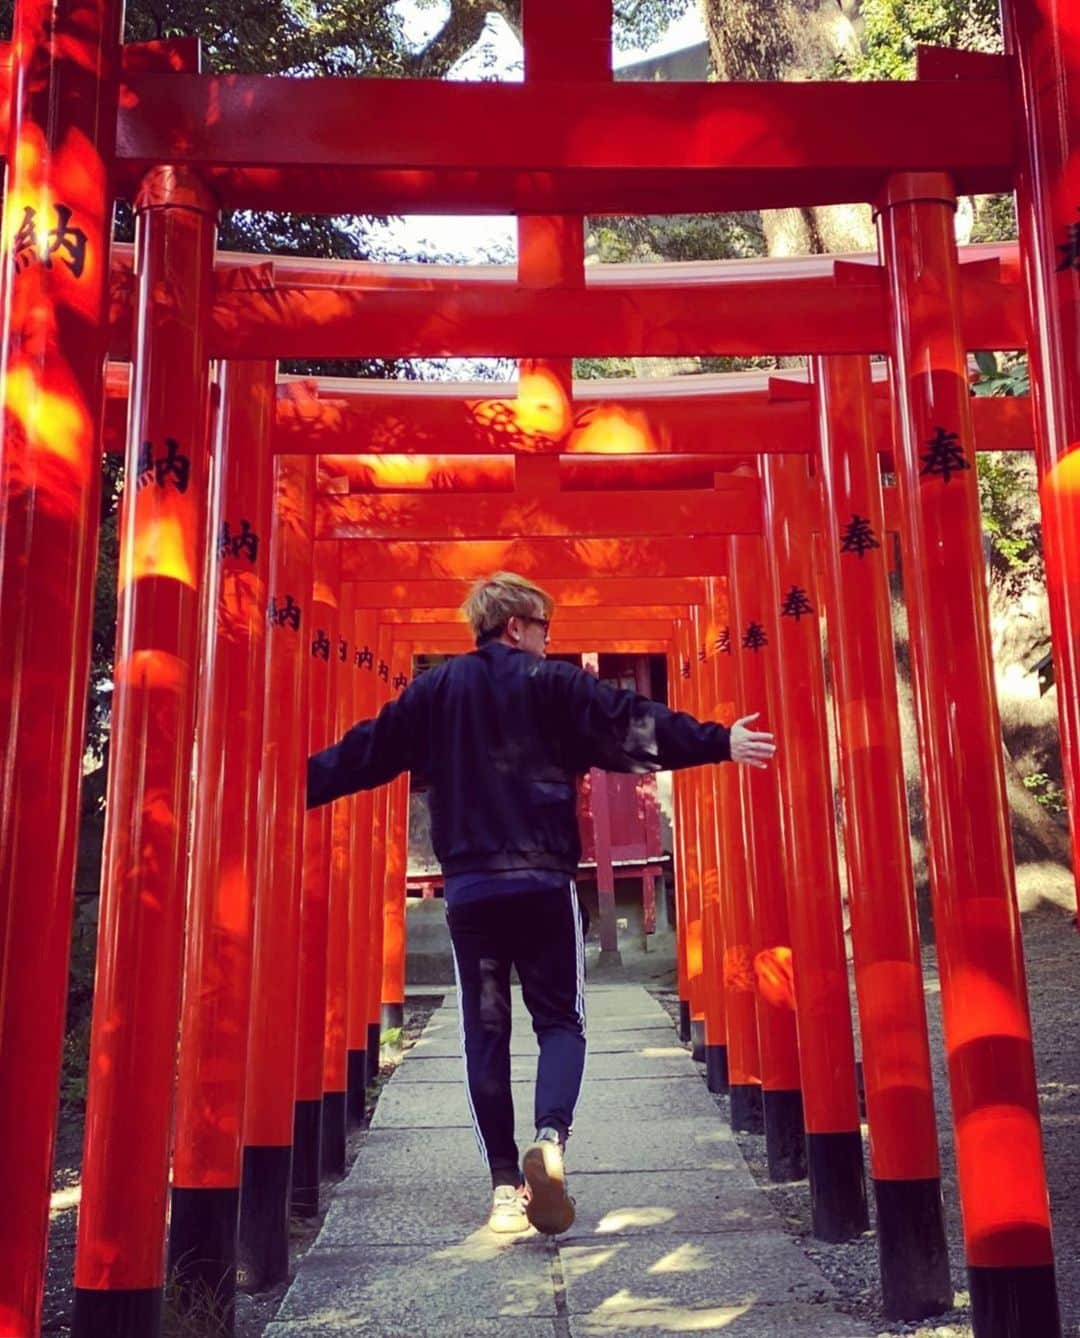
[274, 586]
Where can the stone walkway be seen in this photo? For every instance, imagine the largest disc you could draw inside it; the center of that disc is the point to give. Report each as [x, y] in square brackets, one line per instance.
[672, 1236]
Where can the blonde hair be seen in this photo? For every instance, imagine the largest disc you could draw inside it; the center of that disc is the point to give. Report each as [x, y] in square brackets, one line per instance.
[497, 598]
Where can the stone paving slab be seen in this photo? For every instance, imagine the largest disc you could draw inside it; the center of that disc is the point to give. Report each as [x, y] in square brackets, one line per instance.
[672, 1234]
[447, 1045]
[434, 1105]
[677, 1145]
[442, 1105]
[614, 1018]
[627, 1315]
[609, 1206]
[423, 1289]
[737, 1268]
[654, 1062]
[477, 1328]
[656, 1203]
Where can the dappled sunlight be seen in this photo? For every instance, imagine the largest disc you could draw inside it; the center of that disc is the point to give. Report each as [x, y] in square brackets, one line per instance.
[423, 473]
[682, 1259]
[241, 609]
[738, 968]
[1006, 1222]
[163, 547]
[63, 1200]
[612, 429]
[54, 423]
[481, 1246]
[695, 946]
[153, 669]
[982, 1007]
[621, 1219]
[1063, 476]
[233, 901]
[543, 405]
[775, 975]
[624, 1312]
[583, 1259]
[1059, 496]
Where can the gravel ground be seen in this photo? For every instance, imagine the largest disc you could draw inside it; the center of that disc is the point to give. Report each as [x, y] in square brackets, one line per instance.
[253, 1313]
[1052, 951]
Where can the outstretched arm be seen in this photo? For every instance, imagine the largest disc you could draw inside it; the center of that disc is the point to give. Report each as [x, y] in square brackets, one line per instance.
[370, 754]
[617, 730]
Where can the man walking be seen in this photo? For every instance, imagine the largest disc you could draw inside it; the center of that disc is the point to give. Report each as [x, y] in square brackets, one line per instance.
[500, 736]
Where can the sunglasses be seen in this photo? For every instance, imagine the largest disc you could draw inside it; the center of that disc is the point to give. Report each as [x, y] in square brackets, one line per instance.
[545, 623]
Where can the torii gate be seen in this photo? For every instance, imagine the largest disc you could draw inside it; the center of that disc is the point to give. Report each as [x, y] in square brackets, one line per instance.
[66, 158]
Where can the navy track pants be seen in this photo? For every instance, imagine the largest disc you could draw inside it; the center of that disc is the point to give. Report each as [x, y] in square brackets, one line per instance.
[540, 934]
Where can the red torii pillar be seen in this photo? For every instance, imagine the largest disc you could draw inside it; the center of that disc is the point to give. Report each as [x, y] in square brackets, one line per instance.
[690, 786]
[755, 677]
[912, 1248]
[735, 910]
[396, 659]
[341, 875]
[60, 142]
[705, 707]
[600, 806]
[275, 986]
[983, 992]
[365, 626]
[822, 1004]
[217, 983]
[119, 1261]
[1044, 41]
[377, 882]
[311, 1008]
[678, 862]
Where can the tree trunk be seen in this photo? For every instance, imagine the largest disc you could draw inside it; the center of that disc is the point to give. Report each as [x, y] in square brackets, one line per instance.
[790, 40]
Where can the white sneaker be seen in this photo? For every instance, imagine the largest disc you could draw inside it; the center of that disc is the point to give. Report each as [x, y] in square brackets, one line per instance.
[508, 1210]
[549, 1207]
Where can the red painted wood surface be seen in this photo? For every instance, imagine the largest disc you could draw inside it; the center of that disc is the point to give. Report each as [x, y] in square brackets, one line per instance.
[136, 993]
[874, 814]
[983, 990]
[56, 132]
[221, 898]
[271, 1084]
[1044, 42]
[386, 146]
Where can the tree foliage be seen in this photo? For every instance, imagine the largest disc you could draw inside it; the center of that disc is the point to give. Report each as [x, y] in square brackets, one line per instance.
[892, 30]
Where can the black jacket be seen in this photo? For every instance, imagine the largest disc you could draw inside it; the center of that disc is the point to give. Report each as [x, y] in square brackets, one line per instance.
[499, 736]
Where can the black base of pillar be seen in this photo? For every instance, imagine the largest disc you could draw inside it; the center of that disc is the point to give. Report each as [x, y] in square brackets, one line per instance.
[838, 1208]
[697, 1039]
[684, 1020]
[121, 1314]
[785, 1135]
[374, 1044]
[263, 1249]
[912, 1248]
[747, 1111]
[356, 1085]
[716, 1074]
[307, 1158]
[202, 1255]
[393, 1016]
[333, 1134]
[1014, 1302]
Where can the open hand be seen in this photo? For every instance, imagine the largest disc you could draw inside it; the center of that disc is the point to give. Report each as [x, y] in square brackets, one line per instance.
[752, 747]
